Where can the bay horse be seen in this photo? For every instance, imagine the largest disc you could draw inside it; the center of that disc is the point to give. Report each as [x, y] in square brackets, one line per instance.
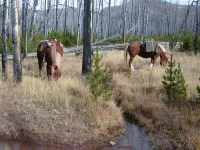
[138, 48]
[52, 52]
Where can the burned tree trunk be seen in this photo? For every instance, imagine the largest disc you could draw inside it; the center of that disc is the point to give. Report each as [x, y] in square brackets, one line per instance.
[79, 5]
[124, 9]
[65, 17]
[87, 50]
[17, 66]
[57, 3]
[109, 17]
[4, 38]
[102, 16]
[45, 19]
[33, 16]
[196, 34]
[24, 27]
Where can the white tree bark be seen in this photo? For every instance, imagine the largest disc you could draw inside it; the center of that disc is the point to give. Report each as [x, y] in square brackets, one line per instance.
[17, 66]
[79, 5]
[35, 3]
[24, 27]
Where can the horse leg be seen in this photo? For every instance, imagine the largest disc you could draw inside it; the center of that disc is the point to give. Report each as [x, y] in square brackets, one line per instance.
[130, 64]
[152, 62]
[40, 56]
[49, 72]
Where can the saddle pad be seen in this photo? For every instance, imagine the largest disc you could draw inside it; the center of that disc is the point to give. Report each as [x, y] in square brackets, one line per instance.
[47, 43]
[150, 46]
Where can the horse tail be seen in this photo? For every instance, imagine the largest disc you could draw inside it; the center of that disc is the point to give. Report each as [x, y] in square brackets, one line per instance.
[127, 49]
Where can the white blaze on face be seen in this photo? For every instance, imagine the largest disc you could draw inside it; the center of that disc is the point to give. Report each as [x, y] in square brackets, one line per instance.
[151, 65]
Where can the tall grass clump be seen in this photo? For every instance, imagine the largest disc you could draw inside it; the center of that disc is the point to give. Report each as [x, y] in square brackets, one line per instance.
[174, 82]
[100, 78]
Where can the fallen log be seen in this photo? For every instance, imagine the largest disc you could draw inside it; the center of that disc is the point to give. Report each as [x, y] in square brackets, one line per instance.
[78, 50]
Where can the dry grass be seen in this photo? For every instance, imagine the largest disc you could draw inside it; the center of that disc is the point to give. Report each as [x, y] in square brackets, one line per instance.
[64, 111]
[59, 112]
[140, 95]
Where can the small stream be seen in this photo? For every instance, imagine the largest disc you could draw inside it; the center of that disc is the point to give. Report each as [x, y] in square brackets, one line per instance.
[134, 138]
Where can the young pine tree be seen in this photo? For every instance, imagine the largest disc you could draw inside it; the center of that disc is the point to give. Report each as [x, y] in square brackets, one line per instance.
[174, 82]
[100, 78]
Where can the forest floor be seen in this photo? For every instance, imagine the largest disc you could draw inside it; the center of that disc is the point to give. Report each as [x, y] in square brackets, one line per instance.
[63, 111]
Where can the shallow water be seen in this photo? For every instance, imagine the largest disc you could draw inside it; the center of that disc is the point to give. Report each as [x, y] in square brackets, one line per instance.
[134, 138]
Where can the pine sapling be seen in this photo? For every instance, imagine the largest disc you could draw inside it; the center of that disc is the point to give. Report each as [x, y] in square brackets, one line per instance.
[174, 82]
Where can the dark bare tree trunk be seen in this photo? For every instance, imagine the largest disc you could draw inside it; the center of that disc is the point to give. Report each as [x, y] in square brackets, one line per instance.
[87, 50]
[17, 66]
[4, 38]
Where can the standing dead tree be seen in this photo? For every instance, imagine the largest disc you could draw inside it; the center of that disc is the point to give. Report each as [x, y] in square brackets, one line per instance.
[35, 3]
[24, 27]
[17, 66]
[194, 3]
[65, 17]
[79, 5]
[197, 23]
[45, 18]
[124, 12]
[57, 3]
[109, 17]
[87, 49]
[4, 38]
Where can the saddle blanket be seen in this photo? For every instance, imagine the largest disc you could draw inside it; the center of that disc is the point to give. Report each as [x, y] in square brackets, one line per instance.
[150, 46]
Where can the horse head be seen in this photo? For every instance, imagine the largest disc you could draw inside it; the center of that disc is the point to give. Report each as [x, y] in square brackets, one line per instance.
[58, 44]
[164, 55]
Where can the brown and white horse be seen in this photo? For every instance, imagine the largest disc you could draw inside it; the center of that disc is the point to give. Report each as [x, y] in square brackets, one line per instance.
[137, 48]
[52, 52]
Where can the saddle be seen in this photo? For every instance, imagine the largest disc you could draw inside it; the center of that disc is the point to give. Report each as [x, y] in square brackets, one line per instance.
[47, 43]
[143, 46]
[147, 49]
[148, 46]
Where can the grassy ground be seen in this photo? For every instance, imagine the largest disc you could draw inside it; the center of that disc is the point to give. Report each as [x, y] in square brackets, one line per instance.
[58, 112]
[141, 96]
[64, 111]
